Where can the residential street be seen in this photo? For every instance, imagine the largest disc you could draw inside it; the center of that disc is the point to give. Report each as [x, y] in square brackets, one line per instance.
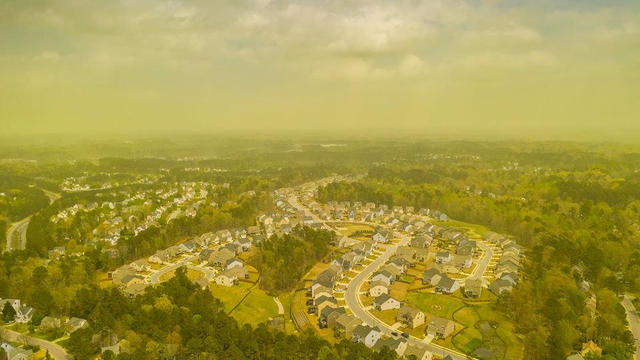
[155, 277]
[634, 322]
[353, 302]
[55, 350]
[484, 262]
[352, 298]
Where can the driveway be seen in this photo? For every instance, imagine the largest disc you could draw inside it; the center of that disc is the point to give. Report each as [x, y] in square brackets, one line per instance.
[55, 350]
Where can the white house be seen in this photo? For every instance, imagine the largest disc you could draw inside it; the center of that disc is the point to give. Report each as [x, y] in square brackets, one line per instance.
[386, 302]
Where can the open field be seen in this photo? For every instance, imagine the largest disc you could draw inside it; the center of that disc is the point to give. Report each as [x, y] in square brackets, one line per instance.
[436, 304]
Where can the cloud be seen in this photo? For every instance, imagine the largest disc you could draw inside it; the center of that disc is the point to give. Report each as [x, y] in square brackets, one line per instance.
[47, 56]
[509, 60]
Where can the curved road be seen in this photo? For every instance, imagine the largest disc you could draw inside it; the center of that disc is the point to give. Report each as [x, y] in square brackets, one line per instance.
[17, 232]
[634, 323]
[352, 299]
[484, 262]
[352, 293]
[55, 350]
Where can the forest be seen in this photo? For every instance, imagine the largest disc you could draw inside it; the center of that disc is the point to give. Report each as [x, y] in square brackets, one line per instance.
[283, 261]
[180, 321]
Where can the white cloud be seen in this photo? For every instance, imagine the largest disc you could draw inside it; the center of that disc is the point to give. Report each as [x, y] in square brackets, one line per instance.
[509, 60]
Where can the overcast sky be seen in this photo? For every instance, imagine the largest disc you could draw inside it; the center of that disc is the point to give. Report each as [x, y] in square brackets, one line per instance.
[465, 65]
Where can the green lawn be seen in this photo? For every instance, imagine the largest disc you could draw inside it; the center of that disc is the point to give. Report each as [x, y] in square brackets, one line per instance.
[257, 308]
[469, 338]
[436, 304]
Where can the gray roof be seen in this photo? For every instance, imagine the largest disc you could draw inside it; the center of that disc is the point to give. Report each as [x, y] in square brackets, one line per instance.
[446, 282]
[381, 299]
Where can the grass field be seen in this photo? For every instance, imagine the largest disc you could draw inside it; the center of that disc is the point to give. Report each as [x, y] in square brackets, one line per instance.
[361, 231]
[436, 304]
[501, 340]
[257, 307]
[387, 316]
[469, 338]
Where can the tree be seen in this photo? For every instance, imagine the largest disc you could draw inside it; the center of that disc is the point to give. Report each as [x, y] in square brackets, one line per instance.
[8, 313]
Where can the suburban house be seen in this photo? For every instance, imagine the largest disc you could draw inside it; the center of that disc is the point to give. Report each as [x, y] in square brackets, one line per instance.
[132, 279]
[188, 246]
[400, 263]
[120, 273]
[440, 328]
[160, 257]
[74, 324]
[49, 323]
[386, 302]
[411, 317]
[447, 285]
[473, 288]
[394, 270]
[205, 255]
[24, 315]
[329, 315]
[406, 252]
[232, 263]
[377, 288]
[244, 244]
[16, 353]
[140, 265]
[384, 276]
[366, 335]
[220, 257]
[381, 236]
[443, 257]
[321, 291]
[231, 276]
[420, 352]
[321, 282]
[431, 276]
[134, 289]
[345, 323]
[463, 261]
[501, 286]
[397, 345]
[325, 301]
[465, 247]
[420, 241]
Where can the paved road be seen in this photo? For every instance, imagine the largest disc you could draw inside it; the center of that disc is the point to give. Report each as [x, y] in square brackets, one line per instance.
[208, 273]
[484, 262]
[55, 350]
[352, 297]
[279, 304]
[634, 323]
[352, 300]
[17, 232]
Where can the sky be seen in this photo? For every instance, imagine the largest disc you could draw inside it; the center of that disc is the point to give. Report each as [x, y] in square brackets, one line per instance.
[527, 67]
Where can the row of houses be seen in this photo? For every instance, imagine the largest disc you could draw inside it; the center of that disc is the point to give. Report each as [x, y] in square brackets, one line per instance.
[412, 318]
[507, 269]
[350, 326]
